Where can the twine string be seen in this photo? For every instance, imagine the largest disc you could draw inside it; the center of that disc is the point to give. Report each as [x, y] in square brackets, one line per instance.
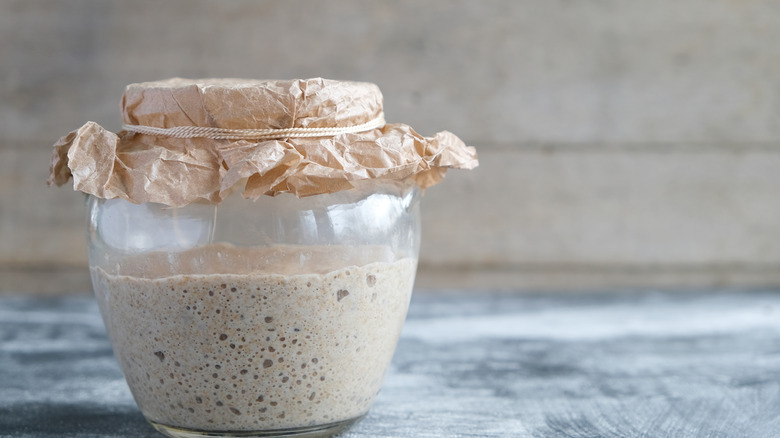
[253, 134]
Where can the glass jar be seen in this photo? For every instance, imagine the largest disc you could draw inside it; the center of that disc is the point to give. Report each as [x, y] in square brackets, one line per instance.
[270, 313]
[256, 318]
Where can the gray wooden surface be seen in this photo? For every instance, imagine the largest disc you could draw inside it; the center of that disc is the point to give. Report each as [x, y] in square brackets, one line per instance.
[468, 365]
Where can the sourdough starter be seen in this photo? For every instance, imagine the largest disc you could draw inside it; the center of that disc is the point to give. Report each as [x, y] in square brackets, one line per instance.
[256, 351]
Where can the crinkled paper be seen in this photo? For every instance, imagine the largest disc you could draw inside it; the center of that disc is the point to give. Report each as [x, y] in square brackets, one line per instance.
[143, 168]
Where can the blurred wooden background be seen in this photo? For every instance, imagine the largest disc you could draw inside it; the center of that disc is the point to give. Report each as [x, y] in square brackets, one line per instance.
[622, 144]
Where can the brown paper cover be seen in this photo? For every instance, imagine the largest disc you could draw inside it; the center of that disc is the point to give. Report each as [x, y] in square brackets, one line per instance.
[177, 171]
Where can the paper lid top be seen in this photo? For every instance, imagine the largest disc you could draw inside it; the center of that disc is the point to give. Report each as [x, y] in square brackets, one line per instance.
[251, 104]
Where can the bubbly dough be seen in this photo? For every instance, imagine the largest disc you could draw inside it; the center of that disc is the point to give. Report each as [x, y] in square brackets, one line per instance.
[256, 351]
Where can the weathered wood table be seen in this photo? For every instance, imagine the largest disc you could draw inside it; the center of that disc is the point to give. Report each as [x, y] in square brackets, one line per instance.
[469, 364]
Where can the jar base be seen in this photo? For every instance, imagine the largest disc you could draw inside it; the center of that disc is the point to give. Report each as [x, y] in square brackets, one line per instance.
[321, 431]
